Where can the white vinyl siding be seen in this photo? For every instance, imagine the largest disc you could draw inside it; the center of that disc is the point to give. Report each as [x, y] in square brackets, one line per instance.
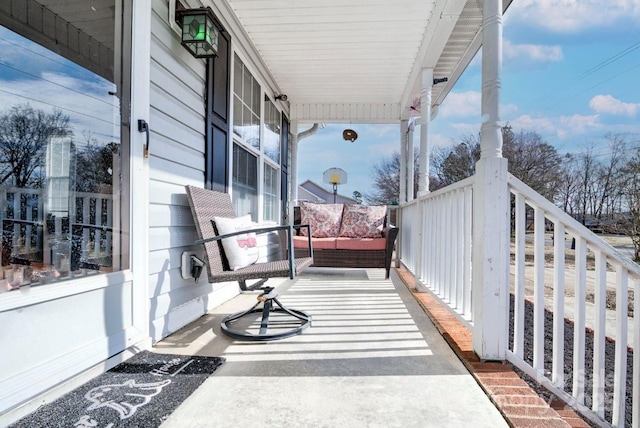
[177, 154]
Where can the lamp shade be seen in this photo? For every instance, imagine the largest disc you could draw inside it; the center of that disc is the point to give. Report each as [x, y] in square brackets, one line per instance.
[199, 33]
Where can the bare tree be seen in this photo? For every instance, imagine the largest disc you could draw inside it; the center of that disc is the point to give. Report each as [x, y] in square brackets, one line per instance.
[631, 192]
[606, 186]
[24, 133]
[533, 161]
[569, 182]
[386, 178]
[455, 163]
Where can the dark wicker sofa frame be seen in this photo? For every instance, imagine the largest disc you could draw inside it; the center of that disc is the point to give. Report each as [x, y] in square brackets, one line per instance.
[352, 258]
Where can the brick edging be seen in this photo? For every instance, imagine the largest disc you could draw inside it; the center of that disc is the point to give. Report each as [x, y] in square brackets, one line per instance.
[520, 405]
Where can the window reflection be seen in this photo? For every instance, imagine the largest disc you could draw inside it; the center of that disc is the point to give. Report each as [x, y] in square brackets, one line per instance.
[60, 157]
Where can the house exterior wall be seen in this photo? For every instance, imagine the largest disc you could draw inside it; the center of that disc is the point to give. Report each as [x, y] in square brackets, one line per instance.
[177, 158]
[60, 334]
[89, 329]
[177, 121]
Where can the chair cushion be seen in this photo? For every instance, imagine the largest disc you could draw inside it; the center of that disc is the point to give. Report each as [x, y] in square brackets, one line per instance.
[241, 250]
[318, 243]
[324, 219]
[359, 221]
[360, 243]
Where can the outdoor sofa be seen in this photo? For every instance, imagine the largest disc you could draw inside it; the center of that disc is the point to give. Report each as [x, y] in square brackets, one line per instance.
[345, 236]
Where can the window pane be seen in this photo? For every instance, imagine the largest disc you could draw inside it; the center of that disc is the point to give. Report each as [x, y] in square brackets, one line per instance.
[245, 183]
[61, 153]
[237, 76]
[271, 131]
[237, 116]
[270, 193]
[246, 105]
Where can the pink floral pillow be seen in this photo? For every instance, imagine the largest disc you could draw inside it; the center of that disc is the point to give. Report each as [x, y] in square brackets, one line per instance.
[324, 219]
[359, 221]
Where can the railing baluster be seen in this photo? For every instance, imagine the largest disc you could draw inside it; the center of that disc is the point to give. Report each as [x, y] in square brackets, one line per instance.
[468, 217]
[460, 252]
[579, 321]
[559, 248]
[518, 331]
[538, 291]
[599, 334]
[636, 354]
[620, 371]
[446, 256]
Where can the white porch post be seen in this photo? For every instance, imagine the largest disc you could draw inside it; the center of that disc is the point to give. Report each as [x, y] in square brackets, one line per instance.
[293, 170]
[491, 204]
[425, 117]
[404, 128]
[411, 165]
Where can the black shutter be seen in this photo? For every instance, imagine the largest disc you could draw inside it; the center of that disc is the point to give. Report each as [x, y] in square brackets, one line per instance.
[217, 143]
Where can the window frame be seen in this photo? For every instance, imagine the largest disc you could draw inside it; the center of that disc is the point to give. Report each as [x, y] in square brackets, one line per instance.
[263, 159]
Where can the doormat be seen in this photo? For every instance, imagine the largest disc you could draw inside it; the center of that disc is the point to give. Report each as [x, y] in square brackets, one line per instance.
[141, 392]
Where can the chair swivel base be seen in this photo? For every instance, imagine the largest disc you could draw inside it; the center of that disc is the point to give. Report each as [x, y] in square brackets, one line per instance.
[267, 299]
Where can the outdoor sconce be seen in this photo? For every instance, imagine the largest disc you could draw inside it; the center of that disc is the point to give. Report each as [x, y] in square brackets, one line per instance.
[199, 33]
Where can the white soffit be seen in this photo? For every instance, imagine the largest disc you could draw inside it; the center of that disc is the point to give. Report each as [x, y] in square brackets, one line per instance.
[358, 60]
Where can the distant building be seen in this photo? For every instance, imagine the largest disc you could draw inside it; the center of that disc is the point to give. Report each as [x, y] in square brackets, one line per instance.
[313, 192]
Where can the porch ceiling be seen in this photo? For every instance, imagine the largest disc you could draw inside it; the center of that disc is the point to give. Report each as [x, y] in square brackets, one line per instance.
[360, 60]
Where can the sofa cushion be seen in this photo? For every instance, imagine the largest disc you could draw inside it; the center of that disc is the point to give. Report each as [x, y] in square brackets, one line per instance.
[318, 243]
[359, 243]
[241, 250]
[324, 219]
[359, 221]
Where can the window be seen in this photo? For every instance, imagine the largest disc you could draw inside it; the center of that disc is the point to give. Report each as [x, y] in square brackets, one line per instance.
[256, 149]
[245, 183]
[270, 193]
[271, 131]
[61, 149]
[246, 105]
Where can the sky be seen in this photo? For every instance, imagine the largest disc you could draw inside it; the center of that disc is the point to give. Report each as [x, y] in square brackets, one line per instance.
[570, 72]
[31, 74]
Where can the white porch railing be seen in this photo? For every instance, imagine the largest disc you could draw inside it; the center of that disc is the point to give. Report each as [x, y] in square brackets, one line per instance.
[435, 233]
[435, 245]
[80, 239]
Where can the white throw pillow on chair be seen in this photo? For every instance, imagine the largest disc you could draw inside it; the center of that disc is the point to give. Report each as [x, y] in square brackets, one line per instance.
[241, 250]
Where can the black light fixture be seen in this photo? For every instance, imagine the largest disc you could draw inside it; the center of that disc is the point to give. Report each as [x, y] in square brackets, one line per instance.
[441, 80]
[349, 135]
[280, 97]
[199, 32]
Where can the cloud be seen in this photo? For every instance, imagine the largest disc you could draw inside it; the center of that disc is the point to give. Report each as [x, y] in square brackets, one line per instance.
[606, 104]
[561, 127]
[537, 53]
[573, 16]
[468, 104]
[461, 104]
[87, 103]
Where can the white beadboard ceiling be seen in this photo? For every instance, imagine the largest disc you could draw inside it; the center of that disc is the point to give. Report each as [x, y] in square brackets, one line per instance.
[336, 60]
[360, 60]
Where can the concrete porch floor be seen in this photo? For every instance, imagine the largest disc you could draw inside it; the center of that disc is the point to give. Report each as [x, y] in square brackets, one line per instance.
[372, 358]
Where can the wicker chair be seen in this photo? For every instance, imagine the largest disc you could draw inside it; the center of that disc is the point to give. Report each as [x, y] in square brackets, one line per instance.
[205, 204]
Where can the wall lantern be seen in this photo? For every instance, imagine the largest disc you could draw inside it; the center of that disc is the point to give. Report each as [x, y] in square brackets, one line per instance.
[199, 33]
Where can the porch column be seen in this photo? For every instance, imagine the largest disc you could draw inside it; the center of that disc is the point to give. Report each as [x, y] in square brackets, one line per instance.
[404, 129]
[491, 204]
[411, 165]
[425, 117]
[293, 168]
